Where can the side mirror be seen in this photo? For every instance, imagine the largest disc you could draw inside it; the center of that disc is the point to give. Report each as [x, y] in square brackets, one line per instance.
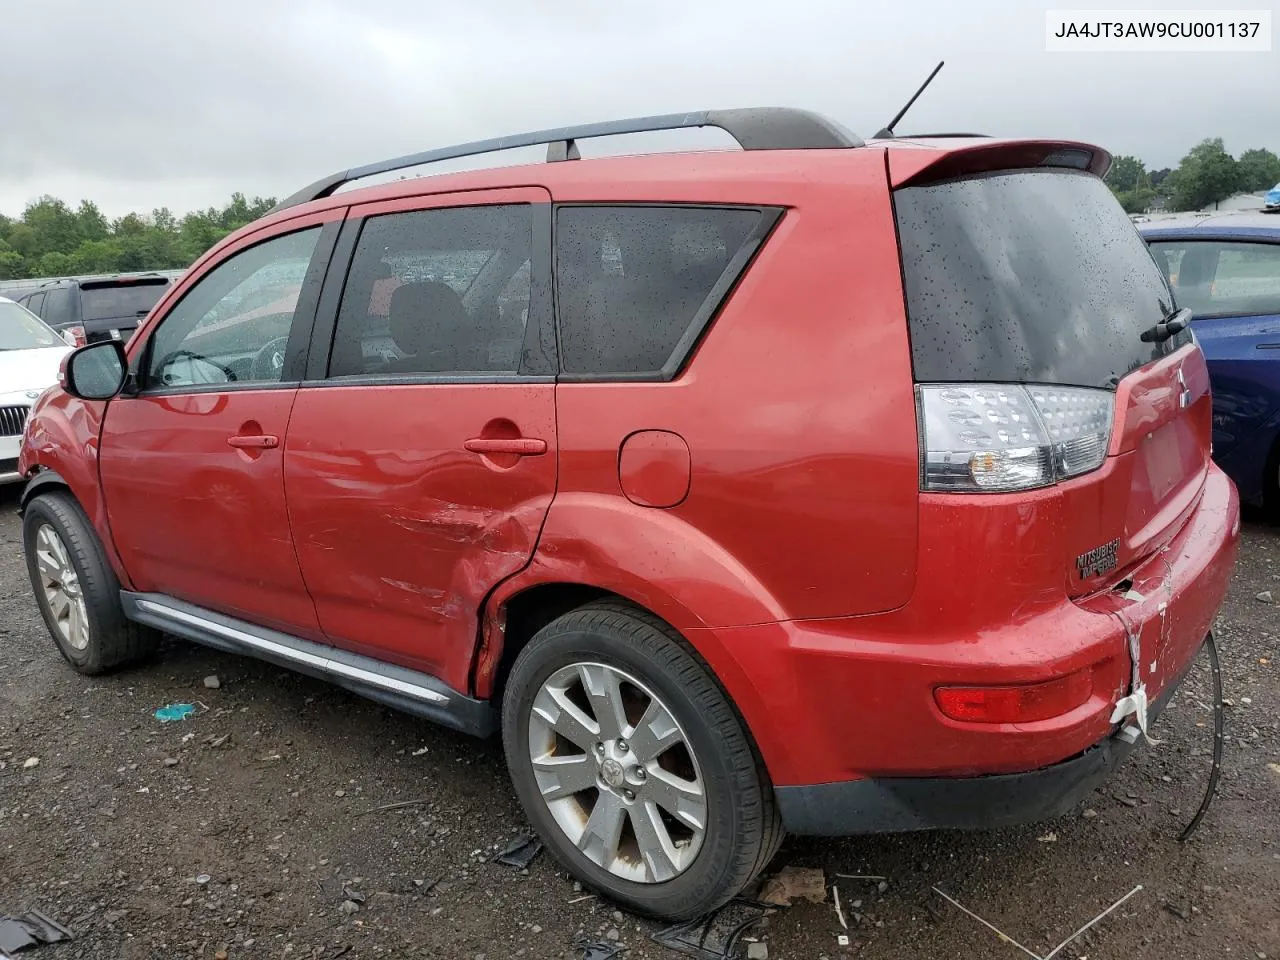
[94, 372]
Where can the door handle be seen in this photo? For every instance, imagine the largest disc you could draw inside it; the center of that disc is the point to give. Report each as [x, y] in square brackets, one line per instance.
[254, 442]
[520, 446]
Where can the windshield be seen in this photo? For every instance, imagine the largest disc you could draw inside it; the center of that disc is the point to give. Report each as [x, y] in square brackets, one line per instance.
[22, 330]
[1028, 277]
[124, 300]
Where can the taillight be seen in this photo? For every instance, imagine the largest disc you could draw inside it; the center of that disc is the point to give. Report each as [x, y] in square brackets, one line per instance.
[994, 438]
[1021, 703]
[77, 336]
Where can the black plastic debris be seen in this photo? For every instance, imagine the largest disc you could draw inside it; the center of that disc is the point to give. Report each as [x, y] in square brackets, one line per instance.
[587, 949]
[715, 936]
[30, 930]
[520, 852]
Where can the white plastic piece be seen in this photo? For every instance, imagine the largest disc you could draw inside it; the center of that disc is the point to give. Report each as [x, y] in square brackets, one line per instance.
[1135, 705]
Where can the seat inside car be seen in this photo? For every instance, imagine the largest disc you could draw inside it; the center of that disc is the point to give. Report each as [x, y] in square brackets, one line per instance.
[427, 320]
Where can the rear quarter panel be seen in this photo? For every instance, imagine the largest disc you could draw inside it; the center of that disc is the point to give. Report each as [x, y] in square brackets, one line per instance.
[798, 411]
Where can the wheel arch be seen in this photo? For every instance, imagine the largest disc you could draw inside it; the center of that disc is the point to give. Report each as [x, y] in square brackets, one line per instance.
[517, 610]
[44, 481]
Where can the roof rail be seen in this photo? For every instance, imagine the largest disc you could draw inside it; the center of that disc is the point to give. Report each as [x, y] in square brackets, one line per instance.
[938, 136]
[755, 128]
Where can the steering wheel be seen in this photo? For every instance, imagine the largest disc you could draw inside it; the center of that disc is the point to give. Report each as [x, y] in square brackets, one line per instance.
[268, 363]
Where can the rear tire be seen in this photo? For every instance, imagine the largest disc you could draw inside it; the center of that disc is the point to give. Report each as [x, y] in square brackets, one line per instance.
[76, 589]
[674, 814]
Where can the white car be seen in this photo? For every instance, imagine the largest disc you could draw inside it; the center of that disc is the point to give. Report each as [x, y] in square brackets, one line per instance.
[30, 354]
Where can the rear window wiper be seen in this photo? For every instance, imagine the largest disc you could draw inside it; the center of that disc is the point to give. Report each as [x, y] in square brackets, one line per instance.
[1172, 325]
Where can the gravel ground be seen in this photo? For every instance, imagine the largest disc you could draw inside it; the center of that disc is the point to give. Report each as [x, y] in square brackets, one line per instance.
[235, 832]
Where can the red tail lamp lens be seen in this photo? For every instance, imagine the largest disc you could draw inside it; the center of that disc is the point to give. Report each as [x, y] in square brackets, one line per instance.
[1020, 703]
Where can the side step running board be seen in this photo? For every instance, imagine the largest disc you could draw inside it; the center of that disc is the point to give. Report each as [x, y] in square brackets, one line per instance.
[407, 690]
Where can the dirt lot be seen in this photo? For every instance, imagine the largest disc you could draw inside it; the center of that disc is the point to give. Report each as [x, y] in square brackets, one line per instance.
[267, 792]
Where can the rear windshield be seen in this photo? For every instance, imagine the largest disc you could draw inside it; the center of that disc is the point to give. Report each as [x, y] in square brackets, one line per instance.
[1027, 276]
[121, 300]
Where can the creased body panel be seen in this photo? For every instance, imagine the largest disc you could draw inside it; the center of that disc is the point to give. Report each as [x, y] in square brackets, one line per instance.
[401, 531]
[62, 439]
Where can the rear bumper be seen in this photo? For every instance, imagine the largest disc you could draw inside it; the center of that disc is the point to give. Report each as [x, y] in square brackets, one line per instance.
[954, 803]
[843, 710]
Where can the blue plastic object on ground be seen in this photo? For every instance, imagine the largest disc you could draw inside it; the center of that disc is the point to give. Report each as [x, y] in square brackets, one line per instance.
[175, 711]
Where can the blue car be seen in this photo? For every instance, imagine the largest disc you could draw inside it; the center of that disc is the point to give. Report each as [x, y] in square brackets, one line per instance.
[1272, 200]
[1226, 269]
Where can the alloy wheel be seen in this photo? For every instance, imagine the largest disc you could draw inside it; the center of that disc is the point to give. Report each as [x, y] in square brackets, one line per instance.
[617, 772]
[62, 591]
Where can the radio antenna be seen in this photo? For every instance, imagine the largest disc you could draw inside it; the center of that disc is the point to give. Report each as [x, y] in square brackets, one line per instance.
[888, 130]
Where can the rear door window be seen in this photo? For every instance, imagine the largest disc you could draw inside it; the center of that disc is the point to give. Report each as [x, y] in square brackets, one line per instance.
[635, 285]
[35, 303]
[57, 306]
[1220, 278]
[1027, 277]
[437, 292]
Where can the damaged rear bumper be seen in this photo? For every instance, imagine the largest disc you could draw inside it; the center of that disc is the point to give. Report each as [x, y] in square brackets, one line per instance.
[903, 804]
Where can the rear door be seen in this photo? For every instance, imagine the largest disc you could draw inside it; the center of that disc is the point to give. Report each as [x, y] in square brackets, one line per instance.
[421, 455]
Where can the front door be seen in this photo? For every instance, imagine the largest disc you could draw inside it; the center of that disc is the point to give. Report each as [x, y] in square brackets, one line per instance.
[192, 463]
[420, 464]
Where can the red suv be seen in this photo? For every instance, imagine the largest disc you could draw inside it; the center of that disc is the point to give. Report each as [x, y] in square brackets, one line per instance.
[825, 486]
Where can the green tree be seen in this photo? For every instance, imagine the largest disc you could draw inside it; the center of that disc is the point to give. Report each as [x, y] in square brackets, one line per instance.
[1126, 173]
[54, 264]
[1207, 175]
[96, 256]
[1137, 200]
[1130, 182]
[55, 226]
[51, 239]
[92, 225]
[11, 263]
[1259, 170]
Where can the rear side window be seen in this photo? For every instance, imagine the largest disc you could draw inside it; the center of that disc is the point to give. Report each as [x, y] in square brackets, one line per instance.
[1027, 277]
[120, 301]
[437, 292]
[35, 303]
[635, 284]
[57, 306]
[1220, 278]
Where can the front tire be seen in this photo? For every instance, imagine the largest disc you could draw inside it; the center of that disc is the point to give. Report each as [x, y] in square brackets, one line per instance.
[76, 589]
[633, 766]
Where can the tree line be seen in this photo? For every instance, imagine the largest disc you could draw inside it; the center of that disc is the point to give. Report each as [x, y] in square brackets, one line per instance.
[52, 240]
[1206, 175]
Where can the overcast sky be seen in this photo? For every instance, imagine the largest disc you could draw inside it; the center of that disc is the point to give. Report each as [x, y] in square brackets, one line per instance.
[138, 104]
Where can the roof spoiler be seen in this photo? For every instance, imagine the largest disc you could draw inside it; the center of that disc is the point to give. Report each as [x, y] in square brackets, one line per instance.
[914, 167]
[754, 128]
